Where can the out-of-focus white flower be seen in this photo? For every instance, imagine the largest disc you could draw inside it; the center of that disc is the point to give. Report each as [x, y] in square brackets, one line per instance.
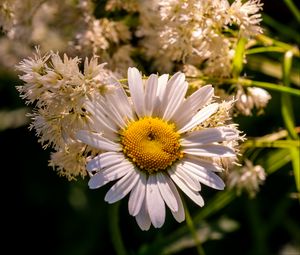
[247, 178]
[260, 97]
[154, 140]
[249, 98]
[128, 5]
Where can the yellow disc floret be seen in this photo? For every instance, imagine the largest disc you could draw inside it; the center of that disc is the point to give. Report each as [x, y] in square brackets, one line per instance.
[151, 143]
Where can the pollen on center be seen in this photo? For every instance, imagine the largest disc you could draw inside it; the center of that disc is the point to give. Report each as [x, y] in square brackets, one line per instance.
[151, 143]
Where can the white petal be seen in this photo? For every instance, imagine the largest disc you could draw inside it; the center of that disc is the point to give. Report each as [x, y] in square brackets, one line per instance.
[110, 174]
[203, 175]
[104, 160]
[98, 180]
[210, 135]
[200, 116]
[122, 187]
[120, 119]
[179, 215]
[192, 104]
[195, 196]
[119, 98]
[212, 150]
[170, 91]
[166, 191]
[160, 92]
[137, 195]
[155, 203]
[176, 94]
[117, 171]
[143, 219]
[99, 121]
[186, 177]
[97, 141]
[201, 162]
[150, 94]
[135, 84]
[161, 88]
[206, 177]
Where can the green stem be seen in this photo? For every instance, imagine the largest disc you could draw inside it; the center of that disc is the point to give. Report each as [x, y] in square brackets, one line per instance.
[286, 31]
[265, 49]
[237, 64]
[293, 8]
[289, 119]
[115, 232]
[250, 83]
[272, 42]
[219, 201]
[258, 143]
[191, 226]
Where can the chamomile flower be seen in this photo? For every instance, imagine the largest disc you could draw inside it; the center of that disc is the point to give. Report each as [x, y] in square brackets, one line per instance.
[152, 143]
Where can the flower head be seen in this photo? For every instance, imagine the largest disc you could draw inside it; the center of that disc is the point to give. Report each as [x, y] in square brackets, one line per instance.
[153, 140]
[248, 178]
[250, 98]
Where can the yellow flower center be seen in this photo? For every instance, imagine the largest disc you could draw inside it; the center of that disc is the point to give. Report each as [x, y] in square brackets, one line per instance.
[151, 143]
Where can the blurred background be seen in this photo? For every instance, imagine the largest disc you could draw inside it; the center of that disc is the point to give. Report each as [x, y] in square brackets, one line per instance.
[46, 214]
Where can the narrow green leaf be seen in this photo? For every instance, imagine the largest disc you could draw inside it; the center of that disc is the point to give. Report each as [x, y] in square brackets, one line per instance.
[271, 144]
[293, 8]
[237, 64]
[282, 29]
[265, 49]
[288, 116]
[275, 160]
[295, 154]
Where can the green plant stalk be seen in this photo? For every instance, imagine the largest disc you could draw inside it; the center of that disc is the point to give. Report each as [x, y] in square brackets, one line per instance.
[262, 143]
[285, 30]
[272, 42]
[115, 232]
[265, 49]
[237, 64]
[293, 8]
[288, 117]
[191, 226]
[249, 83]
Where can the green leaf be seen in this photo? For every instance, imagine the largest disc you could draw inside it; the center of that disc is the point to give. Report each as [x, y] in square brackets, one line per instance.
[237, 64]
[288, 117]
[259, 143]
[275, 160]
[293, 8]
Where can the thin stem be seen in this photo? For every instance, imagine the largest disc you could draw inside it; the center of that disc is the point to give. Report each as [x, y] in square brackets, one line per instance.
[285, 30]
[191, 226]
[288, 117]
[265, 49]
[249, 83]
[115, 232]
[258, 143]
[272, 42]
[293, 8]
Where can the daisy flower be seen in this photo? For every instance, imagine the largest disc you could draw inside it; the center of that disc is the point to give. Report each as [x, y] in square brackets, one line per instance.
[152, 142]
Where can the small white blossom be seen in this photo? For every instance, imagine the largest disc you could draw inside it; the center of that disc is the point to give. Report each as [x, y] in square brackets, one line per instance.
[249, 98]
[247, 178]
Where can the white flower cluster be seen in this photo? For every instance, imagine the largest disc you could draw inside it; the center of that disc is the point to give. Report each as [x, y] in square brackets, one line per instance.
[58, 88]
[200, 33]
